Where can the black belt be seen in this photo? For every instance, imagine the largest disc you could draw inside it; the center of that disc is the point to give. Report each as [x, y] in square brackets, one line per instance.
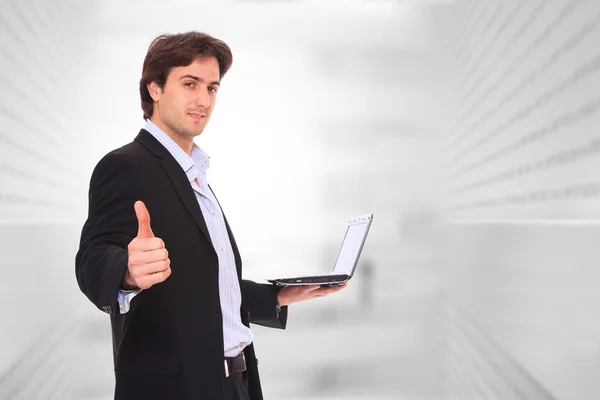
[235, 364]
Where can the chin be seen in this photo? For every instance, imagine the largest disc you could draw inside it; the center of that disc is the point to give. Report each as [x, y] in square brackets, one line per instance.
[193, 131]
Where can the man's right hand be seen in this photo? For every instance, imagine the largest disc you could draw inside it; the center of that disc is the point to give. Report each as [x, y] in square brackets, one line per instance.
[148, 260]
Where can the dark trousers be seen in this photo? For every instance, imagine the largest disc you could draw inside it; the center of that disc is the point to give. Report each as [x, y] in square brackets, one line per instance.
[236, 387]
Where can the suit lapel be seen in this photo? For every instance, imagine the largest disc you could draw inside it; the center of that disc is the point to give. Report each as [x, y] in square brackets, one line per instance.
[185, 192]
[178, 178]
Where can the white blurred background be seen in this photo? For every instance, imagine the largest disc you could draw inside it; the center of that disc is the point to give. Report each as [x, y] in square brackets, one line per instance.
[469, 129]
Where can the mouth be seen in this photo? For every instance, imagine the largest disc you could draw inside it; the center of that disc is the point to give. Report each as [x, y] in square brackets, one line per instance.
[197, 116]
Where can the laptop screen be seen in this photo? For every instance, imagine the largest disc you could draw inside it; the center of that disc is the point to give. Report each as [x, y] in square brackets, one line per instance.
[354, 239]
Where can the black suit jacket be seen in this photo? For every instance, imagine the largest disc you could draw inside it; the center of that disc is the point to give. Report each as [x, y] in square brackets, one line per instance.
[170, 343]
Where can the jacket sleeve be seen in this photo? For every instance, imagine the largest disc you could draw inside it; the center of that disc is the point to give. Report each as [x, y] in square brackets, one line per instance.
[101, 261]
[261, 303]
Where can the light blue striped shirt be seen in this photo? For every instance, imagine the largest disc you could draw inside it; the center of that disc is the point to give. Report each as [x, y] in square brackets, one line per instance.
[236, 335]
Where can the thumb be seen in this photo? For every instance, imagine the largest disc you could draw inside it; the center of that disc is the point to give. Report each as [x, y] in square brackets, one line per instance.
[143, 217]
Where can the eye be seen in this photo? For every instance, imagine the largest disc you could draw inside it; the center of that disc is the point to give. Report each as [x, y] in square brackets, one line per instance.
[189, 84]
[212, 89]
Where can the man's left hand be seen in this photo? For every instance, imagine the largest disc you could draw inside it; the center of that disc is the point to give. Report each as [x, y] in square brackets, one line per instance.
[294, 294]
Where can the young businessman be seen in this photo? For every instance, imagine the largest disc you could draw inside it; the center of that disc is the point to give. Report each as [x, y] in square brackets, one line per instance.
[157, 253]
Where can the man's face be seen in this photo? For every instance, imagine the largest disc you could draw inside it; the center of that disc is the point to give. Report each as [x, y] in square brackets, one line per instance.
[184, 105]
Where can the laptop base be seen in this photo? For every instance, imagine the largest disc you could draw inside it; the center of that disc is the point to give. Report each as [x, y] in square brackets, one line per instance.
[324, 280]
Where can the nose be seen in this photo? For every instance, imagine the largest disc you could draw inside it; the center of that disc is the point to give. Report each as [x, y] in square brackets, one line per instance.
[202, 99]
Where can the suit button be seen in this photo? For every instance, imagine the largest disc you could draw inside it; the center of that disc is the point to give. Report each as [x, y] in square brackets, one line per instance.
[257, 361]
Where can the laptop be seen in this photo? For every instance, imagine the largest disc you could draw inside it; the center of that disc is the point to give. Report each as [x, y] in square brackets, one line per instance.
[347, 259]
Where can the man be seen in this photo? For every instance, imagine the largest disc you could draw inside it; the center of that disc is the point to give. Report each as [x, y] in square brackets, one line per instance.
[180, 311]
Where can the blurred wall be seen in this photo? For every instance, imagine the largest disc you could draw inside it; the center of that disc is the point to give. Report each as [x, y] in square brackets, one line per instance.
[44, 50]
[521, 184]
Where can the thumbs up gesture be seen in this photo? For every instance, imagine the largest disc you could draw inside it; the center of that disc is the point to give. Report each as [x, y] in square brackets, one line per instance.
[148, 262]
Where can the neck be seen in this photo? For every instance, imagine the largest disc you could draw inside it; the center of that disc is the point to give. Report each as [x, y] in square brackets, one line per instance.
[183, 142]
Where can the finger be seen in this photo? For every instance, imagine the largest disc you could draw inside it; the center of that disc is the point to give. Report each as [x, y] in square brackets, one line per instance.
[143, 217]
[310, 288]
[147, 257]
[141, 244]
[327, 290]
[152, 279]
[137, 271]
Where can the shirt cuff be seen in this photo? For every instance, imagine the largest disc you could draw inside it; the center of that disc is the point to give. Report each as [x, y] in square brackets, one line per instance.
[124, 298]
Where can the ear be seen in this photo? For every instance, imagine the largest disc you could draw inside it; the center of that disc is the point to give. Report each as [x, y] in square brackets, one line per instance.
[154, 90]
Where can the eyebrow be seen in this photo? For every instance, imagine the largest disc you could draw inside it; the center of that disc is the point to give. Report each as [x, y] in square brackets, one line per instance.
[199, 79]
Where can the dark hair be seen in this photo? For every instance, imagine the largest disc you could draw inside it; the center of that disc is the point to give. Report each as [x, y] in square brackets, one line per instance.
[179, 50]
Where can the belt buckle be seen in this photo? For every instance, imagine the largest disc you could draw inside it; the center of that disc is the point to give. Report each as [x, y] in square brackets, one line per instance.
[226, 364]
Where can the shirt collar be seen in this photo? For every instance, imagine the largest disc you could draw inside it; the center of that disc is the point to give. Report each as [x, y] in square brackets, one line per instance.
[193, 166]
